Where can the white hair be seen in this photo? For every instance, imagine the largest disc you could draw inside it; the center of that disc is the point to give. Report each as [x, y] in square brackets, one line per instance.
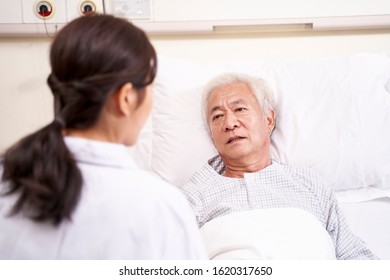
[257, 86]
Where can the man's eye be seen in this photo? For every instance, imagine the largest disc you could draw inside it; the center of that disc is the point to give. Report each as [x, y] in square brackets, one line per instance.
[241, 109]
[216, 117]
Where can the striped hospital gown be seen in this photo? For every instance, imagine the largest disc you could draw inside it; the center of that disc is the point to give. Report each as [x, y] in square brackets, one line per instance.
[276, 186]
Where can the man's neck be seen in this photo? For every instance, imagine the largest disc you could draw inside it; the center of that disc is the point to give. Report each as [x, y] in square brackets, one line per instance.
[237, 169]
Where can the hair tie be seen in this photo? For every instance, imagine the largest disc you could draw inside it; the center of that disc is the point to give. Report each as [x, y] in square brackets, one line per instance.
[59, 121]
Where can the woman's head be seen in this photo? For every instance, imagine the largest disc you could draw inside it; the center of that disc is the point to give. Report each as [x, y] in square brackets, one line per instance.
[102, 67]
[91, 59]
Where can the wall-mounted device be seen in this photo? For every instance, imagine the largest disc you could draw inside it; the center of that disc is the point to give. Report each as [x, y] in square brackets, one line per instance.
[42, 17]
[76, 8]
[130, 9]
[41, 11]
[45, 17]
[88, 7]
[44, 9]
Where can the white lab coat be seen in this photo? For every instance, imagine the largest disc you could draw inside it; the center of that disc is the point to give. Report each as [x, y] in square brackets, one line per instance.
[124, 213]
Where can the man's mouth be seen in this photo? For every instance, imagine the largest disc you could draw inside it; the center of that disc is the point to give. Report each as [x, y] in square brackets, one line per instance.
[234, 139]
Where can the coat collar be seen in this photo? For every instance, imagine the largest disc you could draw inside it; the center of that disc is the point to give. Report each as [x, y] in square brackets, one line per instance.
[99, 152]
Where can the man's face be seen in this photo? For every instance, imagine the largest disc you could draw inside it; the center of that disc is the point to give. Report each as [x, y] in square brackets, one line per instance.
[239, 129]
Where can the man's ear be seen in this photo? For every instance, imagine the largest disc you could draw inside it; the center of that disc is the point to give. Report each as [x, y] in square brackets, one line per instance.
[271, 121]
[126, 99]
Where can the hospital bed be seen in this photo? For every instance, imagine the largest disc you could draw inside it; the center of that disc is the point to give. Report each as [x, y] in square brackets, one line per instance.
[333, 115]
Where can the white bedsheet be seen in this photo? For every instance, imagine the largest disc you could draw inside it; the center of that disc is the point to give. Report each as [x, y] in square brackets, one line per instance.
[370, 220]
[278, 233]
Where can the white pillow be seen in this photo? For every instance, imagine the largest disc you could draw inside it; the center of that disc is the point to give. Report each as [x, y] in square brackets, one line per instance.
[333, 115]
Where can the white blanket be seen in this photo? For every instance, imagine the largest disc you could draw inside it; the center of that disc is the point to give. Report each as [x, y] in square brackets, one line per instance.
[278, 233]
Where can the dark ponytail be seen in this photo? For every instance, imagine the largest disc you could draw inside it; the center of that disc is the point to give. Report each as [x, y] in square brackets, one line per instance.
[91, 58]
[42, 171]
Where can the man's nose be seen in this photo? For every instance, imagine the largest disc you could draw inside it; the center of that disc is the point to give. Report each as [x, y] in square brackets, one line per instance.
[231, 121]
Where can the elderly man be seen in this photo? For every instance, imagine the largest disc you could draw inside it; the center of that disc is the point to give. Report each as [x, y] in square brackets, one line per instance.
[240, 114]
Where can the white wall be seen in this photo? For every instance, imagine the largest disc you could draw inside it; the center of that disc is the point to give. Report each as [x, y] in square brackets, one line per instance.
[26, 102]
